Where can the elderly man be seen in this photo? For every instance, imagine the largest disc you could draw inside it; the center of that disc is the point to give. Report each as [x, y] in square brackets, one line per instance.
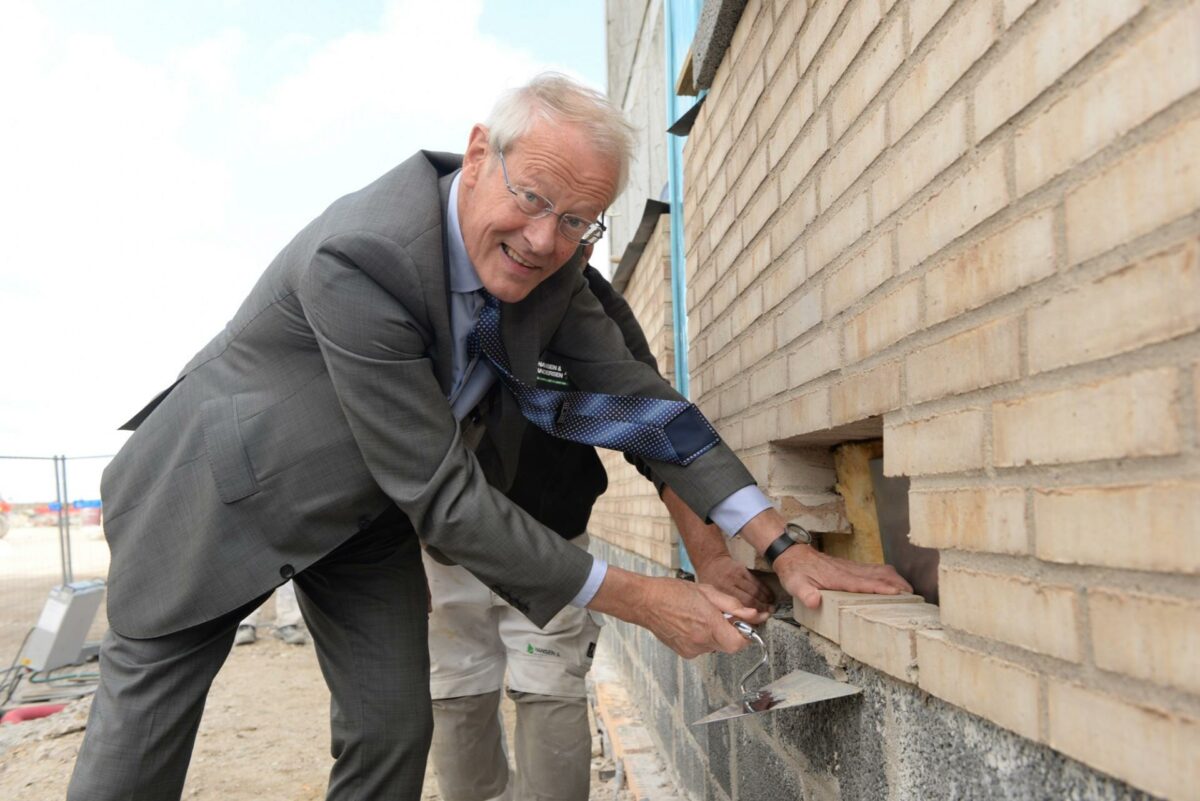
[372, 388]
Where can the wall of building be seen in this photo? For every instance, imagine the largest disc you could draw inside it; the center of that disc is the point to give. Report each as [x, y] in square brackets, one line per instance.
[970, 226]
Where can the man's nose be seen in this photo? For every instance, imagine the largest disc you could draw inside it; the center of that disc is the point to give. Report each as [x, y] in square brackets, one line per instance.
[542, 234]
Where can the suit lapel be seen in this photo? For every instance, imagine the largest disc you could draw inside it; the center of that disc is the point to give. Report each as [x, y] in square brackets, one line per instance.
[439, 298]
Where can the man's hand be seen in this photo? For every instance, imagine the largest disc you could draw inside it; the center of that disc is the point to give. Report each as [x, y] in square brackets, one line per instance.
[804, 570]
[686, 617]
[728, 576]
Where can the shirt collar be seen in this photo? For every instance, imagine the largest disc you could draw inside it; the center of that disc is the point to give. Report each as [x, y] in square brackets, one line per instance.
[463, 277]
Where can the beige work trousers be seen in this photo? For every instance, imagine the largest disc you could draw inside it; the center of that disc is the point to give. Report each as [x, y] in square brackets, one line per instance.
[474, 639]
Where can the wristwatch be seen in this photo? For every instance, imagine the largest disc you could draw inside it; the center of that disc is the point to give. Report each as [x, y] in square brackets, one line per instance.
[793, 533]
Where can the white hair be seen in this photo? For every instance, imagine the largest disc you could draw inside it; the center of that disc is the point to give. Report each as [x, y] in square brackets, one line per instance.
[555, 98]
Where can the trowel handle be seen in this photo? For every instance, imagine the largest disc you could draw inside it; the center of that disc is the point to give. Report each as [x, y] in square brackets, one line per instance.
[742, 626]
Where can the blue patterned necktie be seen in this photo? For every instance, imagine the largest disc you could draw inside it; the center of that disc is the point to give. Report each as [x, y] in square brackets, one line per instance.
[666, 430]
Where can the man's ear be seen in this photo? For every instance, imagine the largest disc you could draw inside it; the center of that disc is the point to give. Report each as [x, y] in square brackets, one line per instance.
[476, 156]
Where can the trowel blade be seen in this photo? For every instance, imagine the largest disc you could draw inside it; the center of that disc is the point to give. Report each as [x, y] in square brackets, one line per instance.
[795, 689]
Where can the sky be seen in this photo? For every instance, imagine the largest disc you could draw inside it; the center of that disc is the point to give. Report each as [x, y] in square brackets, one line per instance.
[155, 156]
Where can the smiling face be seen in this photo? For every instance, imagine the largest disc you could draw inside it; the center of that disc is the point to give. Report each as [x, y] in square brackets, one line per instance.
[514, 253]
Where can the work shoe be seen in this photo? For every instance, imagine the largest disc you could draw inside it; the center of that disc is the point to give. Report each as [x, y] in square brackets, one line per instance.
[246, 634]
[292, 635]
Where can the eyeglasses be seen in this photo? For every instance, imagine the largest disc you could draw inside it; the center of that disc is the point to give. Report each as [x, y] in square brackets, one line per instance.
[531, 204]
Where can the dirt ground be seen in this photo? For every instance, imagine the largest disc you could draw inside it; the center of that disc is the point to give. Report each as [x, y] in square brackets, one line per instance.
[265, 733]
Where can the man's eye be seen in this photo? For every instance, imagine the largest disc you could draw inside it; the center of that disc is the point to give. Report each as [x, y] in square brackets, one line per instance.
[574, 223]
[532, 198]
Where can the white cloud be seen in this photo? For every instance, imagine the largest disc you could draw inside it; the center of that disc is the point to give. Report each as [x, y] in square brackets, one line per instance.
[140, 198]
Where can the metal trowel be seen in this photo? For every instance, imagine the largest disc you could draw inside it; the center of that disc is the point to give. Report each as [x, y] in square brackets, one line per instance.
[795, 689]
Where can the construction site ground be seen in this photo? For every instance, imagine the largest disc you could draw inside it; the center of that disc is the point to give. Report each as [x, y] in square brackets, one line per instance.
[265, 733]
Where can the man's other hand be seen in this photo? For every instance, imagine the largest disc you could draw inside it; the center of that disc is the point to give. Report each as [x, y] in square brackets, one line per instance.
[734, 579]
[805, 571]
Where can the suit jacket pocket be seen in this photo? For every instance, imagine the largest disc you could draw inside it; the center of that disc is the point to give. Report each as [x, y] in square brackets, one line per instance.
[226, 455]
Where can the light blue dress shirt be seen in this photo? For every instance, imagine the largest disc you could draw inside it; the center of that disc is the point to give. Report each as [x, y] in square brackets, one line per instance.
[470, 385]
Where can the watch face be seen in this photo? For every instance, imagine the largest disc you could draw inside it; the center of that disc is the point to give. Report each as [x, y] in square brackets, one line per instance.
[798, 533]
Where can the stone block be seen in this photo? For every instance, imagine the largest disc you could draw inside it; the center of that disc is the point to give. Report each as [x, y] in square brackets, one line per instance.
[965, 40]
[852, 159]
[923, 16]
[978, 193]
[785, 279]
[1043, 53]
[1148, 747]
[864, 395]
[815, 358]
[1114, 418]
[919, 160]
[884, 323]
[951, 442]
[1151, 74]
[859, 276]
[805, 414]
[1009, 259]
[867, 79]
[793, 221]
[969, 679]
[982, 357]
[1030, 614]
[1150, 187]
[990, 520]
[826, 618]
[1149, 302]
[1151, 637]
[839, 231]
[797, 318]
[884, 636]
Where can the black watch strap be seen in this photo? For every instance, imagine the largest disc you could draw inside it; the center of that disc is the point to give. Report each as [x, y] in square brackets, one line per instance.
[792, 535]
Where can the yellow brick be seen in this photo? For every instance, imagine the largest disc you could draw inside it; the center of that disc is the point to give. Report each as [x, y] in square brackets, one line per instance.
[784, 280]
[759, 428]
[784, 36]
[777, 95]
[735, 399]
[1012, 609]
[1137, 527]
[923, 16]
[1152, 301]
[991, 520]
[1152, 749]
[793, 221]
[768, 380]
[764, 203]
[1042, 54]
[814, 358]
[795, 114]
[966, 39]
[867, 80]
[852, 160]
[920, 160]
[1144, 79]
[748, 95]
[747, 309]
[886, 322]
[1008, 260]
[861, 20]
[1150, 637]
[746, 190]
[970, 679]
[797, 318]
[1115, 418]
[949, 443]
[1150, 187]
[859, 276]
[885, 636]
[814, 31]
[758, 345]
[811, 146]
[805, 414]
[957, 208]
[839, 232]
[864, 395]
[981, 357]
[826, 618]
[1013, 9]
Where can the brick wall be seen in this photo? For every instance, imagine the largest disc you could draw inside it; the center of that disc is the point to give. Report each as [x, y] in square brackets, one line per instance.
[975, 224]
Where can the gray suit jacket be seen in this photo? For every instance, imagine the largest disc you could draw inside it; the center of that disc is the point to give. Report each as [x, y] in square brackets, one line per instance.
[323, 402]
